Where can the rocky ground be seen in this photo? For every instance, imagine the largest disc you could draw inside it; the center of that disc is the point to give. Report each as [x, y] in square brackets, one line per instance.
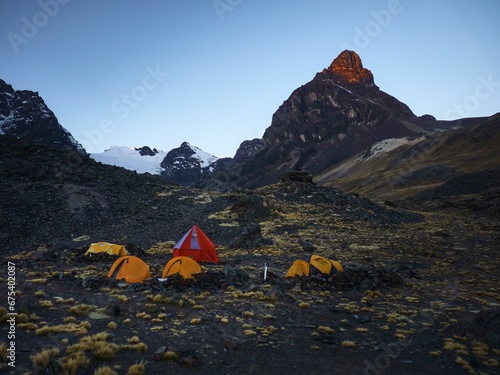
[419, 293]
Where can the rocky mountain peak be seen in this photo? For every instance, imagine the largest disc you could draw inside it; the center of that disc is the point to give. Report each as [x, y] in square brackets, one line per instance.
[24, 114]
[186, 164]
[5, 87]
[348, 68]
[147, 151]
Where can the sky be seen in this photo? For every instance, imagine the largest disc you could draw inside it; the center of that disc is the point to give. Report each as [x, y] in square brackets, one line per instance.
[213, 72]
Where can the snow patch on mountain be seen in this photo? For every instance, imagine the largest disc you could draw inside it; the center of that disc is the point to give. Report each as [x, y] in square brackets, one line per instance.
[390, 144]
[130, 158]
[204, 157]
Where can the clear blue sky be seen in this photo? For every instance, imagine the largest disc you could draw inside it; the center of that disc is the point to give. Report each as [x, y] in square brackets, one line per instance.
[213, 72]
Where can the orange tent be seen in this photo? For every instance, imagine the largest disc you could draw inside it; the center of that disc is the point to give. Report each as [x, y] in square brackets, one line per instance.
[299, 267]
[195, 244]
[325, 266]
[130, 268]
[184, 266]
[316, 264]
[108, 248]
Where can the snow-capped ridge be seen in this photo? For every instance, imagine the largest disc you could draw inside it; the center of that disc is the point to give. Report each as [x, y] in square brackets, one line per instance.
[204, 157]
[131, 158]
[151, 160]
[389, 144]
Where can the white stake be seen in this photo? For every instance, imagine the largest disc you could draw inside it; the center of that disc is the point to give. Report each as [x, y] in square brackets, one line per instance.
[265, 271]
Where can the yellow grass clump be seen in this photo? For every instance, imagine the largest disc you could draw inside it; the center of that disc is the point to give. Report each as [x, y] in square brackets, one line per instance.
[134, 340]
[77, 329]
[171, 355]
[451, 345]
[348, 344]
[137, 369]
[140, 347]
[112, 325]
[304, 305]
[492, 362]
[97, 344]
[105, 370]
[465, 365]
[46, 303]
[41, 360]
[72, 362]
[103, 350]
[480, 349]
[325, 329]
[122, 298]
[81, 309]
[65, 301]
[28, 326]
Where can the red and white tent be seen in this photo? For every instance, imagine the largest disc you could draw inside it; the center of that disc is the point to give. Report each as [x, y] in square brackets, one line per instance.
[196, 245]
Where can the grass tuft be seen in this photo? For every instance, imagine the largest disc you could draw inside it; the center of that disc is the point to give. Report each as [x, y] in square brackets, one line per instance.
[348, 344]
[137, 369]
[41, 360]
[105, 370]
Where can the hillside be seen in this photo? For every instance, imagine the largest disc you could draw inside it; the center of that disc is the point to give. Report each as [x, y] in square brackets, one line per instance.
[424, 166]
[418, 294]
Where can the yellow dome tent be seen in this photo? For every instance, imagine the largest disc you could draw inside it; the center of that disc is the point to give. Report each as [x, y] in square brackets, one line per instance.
[184, 266]
[325, 266]
[108, 248]
[319, 264]
[299, 267]
[130, 268]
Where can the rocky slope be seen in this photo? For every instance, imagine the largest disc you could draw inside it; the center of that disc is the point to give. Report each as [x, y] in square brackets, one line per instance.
[419, 291]
[25, 115]
[64, 195]
[458, 162]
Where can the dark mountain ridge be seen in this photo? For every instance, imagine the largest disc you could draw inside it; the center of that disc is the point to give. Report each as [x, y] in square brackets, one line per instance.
[339, 113]
[24, 114]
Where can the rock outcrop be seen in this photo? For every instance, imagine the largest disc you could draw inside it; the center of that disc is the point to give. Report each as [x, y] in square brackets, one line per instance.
[348, 68]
